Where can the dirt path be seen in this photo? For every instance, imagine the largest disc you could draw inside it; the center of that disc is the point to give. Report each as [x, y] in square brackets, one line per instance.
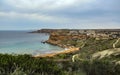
[114, 44]
[76, 56]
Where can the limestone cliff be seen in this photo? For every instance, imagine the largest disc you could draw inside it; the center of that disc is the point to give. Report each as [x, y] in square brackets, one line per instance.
[64, 38]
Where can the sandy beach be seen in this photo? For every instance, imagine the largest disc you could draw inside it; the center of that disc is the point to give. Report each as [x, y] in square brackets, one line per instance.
[66, 51]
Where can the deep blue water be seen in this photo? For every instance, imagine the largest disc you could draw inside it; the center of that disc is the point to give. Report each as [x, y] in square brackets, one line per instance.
[22, 42]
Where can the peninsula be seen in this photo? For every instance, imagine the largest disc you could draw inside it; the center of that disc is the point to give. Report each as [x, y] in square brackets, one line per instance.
[72, 40]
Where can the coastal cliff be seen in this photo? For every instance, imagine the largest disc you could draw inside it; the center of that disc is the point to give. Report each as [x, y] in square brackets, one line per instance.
[65, 38]
[87, 42]
[77, 37]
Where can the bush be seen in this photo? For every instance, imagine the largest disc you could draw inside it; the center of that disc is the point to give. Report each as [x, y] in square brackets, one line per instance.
[100, 67]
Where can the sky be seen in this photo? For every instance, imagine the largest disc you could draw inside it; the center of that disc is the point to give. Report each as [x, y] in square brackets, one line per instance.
[60, 14]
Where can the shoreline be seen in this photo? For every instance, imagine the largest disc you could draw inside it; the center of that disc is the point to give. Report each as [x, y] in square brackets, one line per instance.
[65, 51]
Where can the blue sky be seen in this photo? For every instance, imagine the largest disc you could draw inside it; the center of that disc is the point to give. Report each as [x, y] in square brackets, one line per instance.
[77, 14]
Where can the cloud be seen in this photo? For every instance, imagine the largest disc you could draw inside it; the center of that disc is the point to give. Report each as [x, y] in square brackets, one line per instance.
[40, 4]
[33, 16]
[44, 4]
[61, 13]
[49, 20]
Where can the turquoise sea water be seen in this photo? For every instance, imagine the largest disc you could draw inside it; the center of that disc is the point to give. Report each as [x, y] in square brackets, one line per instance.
[22, 42]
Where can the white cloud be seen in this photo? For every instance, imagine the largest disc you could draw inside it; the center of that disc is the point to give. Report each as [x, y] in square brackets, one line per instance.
[45, 4]
[84, 13]
[33, 16]
[60, 20]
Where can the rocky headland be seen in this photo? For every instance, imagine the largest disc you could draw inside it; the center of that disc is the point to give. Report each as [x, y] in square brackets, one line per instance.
[74, 40]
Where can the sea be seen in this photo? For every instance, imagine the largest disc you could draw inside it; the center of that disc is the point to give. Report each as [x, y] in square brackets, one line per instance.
[23, 42]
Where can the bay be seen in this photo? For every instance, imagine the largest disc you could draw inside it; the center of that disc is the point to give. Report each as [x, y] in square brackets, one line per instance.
[22, 42]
